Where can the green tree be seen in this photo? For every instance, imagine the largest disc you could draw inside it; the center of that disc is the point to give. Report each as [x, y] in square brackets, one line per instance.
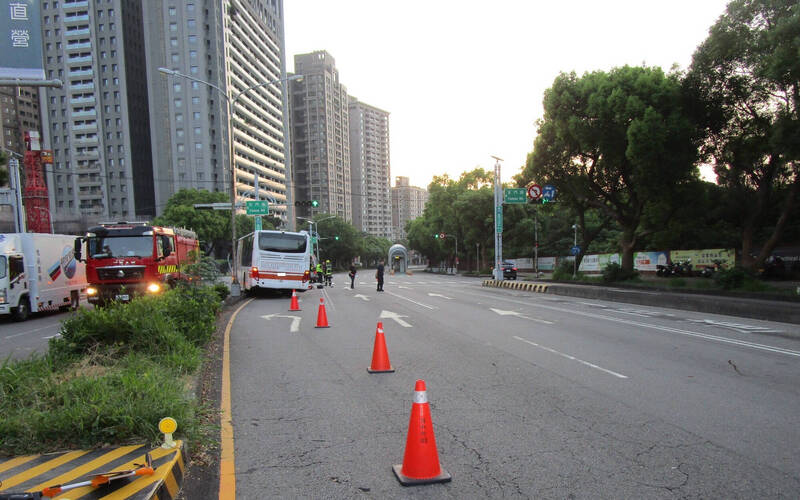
[213, 227]
[746, 75]
[373, 249]
[617, 142]
[339, 241]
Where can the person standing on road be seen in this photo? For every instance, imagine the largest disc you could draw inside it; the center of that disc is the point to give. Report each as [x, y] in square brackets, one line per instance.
[379, 276]
[352, 274]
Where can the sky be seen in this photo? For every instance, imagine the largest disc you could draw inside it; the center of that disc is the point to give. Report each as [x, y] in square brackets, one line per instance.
[464, 80]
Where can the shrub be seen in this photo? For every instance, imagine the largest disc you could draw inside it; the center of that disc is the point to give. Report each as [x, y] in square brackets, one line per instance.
[222, 290]
[564, 271]
[85, 405]
[729, 279]
[615, 272]
[158, 326]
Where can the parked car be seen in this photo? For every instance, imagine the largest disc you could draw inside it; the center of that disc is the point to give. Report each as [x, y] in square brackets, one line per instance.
[509, 271]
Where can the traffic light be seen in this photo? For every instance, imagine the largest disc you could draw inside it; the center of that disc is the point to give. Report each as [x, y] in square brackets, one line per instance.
[314, 203]
[336, 238]
[436, 236]
[306, 203]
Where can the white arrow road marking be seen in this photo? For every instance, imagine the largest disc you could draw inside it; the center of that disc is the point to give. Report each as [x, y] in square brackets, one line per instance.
[295, 326]
[396, 317]
[439, 295]
[366, 299]
[519, 314]
[573, 358]
[668, 329]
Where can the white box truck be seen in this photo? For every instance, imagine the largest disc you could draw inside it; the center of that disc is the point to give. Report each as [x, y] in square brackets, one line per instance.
[39, 272]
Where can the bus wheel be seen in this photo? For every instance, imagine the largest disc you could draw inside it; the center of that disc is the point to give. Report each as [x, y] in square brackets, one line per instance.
[22, 311]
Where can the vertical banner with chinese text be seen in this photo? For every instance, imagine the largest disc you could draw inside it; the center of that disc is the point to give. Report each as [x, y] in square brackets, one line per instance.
[21, 29]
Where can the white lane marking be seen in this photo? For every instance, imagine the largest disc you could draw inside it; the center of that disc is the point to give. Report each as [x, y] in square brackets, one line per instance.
[404, 287]
[735, 326]
[439, 295]
[359, 296]
[396, 317]
[57, 335]
[688, 333]
[519, 314]
[295, 326]
[573, 358]
[30, 331]
[413, 301]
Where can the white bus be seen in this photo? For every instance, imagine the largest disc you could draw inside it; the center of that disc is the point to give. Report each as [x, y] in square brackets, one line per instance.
[278, 260]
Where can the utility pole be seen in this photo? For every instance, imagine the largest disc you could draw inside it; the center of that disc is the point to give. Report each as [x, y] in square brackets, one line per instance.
[498, 222]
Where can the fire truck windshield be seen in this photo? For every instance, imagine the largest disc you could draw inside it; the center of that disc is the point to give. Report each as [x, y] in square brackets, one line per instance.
[121, 246]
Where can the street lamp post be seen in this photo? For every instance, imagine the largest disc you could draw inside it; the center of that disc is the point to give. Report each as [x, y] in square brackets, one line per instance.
[231, 100]
[575, 257]
[312, 222]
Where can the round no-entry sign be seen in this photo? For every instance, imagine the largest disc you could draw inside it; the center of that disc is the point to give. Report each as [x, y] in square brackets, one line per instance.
[534, 191]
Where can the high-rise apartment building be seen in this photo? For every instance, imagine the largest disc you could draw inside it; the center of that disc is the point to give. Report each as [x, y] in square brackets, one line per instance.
[19, 113]
[98, 123]
[238, 47]
[370, 169]
[320, 137]
[408, 203]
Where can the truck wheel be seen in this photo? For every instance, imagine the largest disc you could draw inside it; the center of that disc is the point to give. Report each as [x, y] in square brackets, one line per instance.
[23, 310]
[75, 300]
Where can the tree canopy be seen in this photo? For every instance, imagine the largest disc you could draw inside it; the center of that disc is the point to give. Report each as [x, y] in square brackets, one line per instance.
[746, 76]
[617, 142]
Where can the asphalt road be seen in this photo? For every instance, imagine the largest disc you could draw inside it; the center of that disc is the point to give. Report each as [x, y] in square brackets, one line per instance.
[19, 340]
[531, 395]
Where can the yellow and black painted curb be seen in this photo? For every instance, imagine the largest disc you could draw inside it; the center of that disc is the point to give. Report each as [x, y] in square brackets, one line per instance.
[33, 473]
[517, 285]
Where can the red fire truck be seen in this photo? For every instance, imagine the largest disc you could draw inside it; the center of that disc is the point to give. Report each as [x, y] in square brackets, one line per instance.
[125, 259]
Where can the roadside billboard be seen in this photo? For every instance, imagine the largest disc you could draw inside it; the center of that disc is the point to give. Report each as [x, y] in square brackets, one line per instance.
[21, 29]
[706, 257]
[647, 261]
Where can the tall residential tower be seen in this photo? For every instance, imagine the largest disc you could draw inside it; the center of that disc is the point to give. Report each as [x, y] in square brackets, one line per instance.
[238, 47]
[370, 169]
[99, 127]
[320, 137]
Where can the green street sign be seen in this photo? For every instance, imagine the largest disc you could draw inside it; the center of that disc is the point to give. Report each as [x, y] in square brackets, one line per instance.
[258, 223]
[498, 219]
[515, 195]
[257, 207]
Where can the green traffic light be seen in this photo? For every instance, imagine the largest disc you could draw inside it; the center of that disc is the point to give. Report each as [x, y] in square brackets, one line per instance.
[436, 236]
[314, 203]
[336, 238]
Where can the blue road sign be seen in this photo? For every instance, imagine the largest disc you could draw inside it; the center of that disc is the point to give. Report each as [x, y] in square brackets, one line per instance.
[549, 192]
[575, 250]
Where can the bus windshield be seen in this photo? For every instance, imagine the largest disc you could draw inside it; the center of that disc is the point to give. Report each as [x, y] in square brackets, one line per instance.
[121, 246]
[3, 268]
[282, 242]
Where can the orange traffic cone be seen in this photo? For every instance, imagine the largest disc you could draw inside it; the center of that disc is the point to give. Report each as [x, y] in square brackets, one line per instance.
[322, 317]
[421, 461]
[380, 357]
[295, 306]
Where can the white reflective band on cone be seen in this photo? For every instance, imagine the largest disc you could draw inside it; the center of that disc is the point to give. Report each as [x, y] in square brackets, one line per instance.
[420, 397]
